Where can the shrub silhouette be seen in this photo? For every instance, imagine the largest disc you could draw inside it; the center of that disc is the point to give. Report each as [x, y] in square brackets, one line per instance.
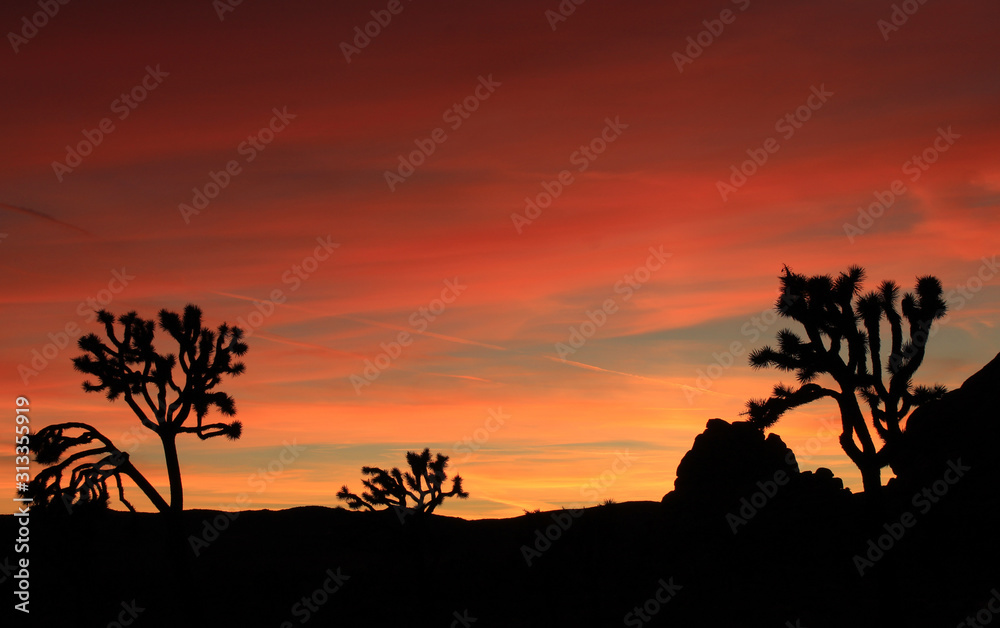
[129, 367]
[838, 319]
[423, 484]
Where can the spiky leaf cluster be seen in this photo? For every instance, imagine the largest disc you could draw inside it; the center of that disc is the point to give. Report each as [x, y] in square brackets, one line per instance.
[129, 366]
[843, 337]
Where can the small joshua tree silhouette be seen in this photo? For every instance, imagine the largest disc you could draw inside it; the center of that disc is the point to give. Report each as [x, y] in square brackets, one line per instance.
[423, 484]
[129, 367]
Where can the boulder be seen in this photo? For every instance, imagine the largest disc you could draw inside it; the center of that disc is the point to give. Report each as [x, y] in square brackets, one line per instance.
[728, 460]
[964, 424]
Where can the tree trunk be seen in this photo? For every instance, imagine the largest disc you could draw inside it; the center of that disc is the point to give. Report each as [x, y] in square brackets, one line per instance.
[173, 471]
[871, 478]
[865, 457]
[144, 485]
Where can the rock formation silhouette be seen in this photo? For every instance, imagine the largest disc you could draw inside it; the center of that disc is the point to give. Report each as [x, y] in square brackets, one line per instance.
[962, 424]
[729, 461]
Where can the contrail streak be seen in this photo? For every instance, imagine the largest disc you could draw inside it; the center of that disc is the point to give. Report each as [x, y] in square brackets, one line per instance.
[37, 214]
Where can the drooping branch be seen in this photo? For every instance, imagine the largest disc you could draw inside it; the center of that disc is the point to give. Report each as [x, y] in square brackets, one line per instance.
[87, 484]
[765, 412]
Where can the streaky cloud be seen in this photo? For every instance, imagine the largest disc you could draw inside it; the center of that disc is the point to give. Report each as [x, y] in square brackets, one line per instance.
[34, 213]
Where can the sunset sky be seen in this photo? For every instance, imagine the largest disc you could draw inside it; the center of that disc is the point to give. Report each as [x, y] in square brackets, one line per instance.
[644, 127]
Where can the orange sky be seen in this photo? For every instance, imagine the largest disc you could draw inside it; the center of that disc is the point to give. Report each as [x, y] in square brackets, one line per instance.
[551, 91]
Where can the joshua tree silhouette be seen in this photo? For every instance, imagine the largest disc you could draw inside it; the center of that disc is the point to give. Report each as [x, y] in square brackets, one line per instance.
[843, 333]
[423, 484]
[129, 367]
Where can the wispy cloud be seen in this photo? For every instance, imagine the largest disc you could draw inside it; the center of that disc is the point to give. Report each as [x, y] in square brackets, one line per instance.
[34, 213]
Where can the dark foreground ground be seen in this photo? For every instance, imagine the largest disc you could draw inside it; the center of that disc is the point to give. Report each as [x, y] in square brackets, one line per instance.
[790, 564]
[744, 540]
